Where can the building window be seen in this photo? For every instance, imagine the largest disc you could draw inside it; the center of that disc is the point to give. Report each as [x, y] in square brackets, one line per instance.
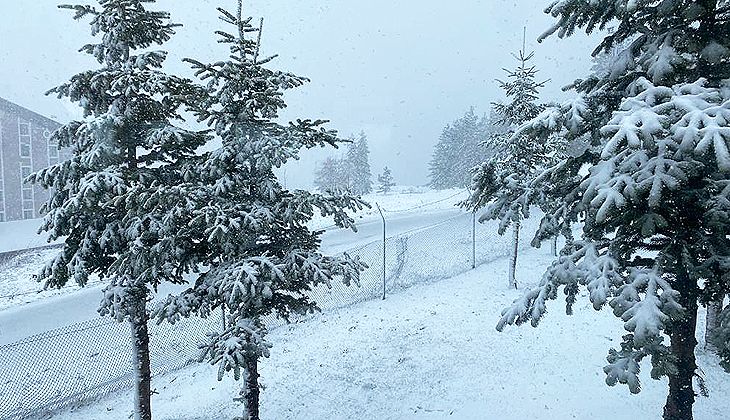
[24, 139]
[52, 148]
[26, 167]
[24, 128]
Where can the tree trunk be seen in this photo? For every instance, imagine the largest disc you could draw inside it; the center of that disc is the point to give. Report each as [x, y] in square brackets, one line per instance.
[141, 359]
[554, 246]
[138, 316]
[683, 342]
[513, 261]
[250, 391]
[714, 310]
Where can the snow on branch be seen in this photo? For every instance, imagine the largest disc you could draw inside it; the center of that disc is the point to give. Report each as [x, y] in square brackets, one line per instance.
[694, 116]
[645, 304]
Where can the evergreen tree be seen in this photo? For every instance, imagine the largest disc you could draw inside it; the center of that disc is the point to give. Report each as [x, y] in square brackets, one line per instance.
[250, 243]
[330, 176]
[357, 166]
[501, 181]
[386, 181]
[655, 199]
[460, 148]
[350, 173]
[115, 200]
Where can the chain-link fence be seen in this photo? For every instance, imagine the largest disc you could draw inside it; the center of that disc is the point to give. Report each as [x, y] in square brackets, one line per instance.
[16, 271]
[75, 364]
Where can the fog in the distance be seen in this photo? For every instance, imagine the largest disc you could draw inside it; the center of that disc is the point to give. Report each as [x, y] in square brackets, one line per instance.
[397, 70]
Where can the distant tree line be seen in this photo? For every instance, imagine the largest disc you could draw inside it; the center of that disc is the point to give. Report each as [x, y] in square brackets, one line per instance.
[349, 173]
[463, 144]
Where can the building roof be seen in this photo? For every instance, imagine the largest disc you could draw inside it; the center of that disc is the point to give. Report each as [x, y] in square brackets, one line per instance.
[26, 113]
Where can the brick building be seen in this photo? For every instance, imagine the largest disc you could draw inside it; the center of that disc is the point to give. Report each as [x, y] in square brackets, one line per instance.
[24, 148]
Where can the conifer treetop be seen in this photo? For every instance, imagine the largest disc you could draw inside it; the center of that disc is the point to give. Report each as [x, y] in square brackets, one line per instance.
[126, 26]
[522, 90]
[249, 96]
[128, 80]
[248, 90]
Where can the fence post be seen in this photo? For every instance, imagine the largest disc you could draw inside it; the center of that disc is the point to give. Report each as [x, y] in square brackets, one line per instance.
[473, 239]
[383, 217]
[223, 316]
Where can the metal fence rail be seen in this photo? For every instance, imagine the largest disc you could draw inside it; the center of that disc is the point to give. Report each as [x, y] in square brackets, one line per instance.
[72, 365]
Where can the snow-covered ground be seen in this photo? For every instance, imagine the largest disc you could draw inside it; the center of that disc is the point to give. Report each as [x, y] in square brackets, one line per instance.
[92, 354]
[431, 352]
[17, 286]
[406, 207]
[22, 234]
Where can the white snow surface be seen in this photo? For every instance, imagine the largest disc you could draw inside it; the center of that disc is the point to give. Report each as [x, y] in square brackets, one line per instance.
[431, 352]
[22, 234]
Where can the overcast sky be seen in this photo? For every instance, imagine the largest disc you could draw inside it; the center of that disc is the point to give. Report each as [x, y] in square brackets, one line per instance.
[399, 70]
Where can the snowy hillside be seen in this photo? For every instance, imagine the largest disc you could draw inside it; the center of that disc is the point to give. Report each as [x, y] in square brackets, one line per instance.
[431, 352]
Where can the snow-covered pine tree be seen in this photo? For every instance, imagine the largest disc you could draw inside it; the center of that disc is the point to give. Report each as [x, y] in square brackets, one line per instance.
[357, 166]
[116, 199]
[386, 181]
[441, 165]
[461, 147]
[655, 201]
[499, 183]
[255, 254]
[330, 175]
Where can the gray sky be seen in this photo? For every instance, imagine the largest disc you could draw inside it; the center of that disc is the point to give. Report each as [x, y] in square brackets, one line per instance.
[400, 70]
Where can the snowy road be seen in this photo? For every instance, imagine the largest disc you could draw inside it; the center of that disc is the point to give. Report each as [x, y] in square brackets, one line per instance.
[55, 312]
[336, 240]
